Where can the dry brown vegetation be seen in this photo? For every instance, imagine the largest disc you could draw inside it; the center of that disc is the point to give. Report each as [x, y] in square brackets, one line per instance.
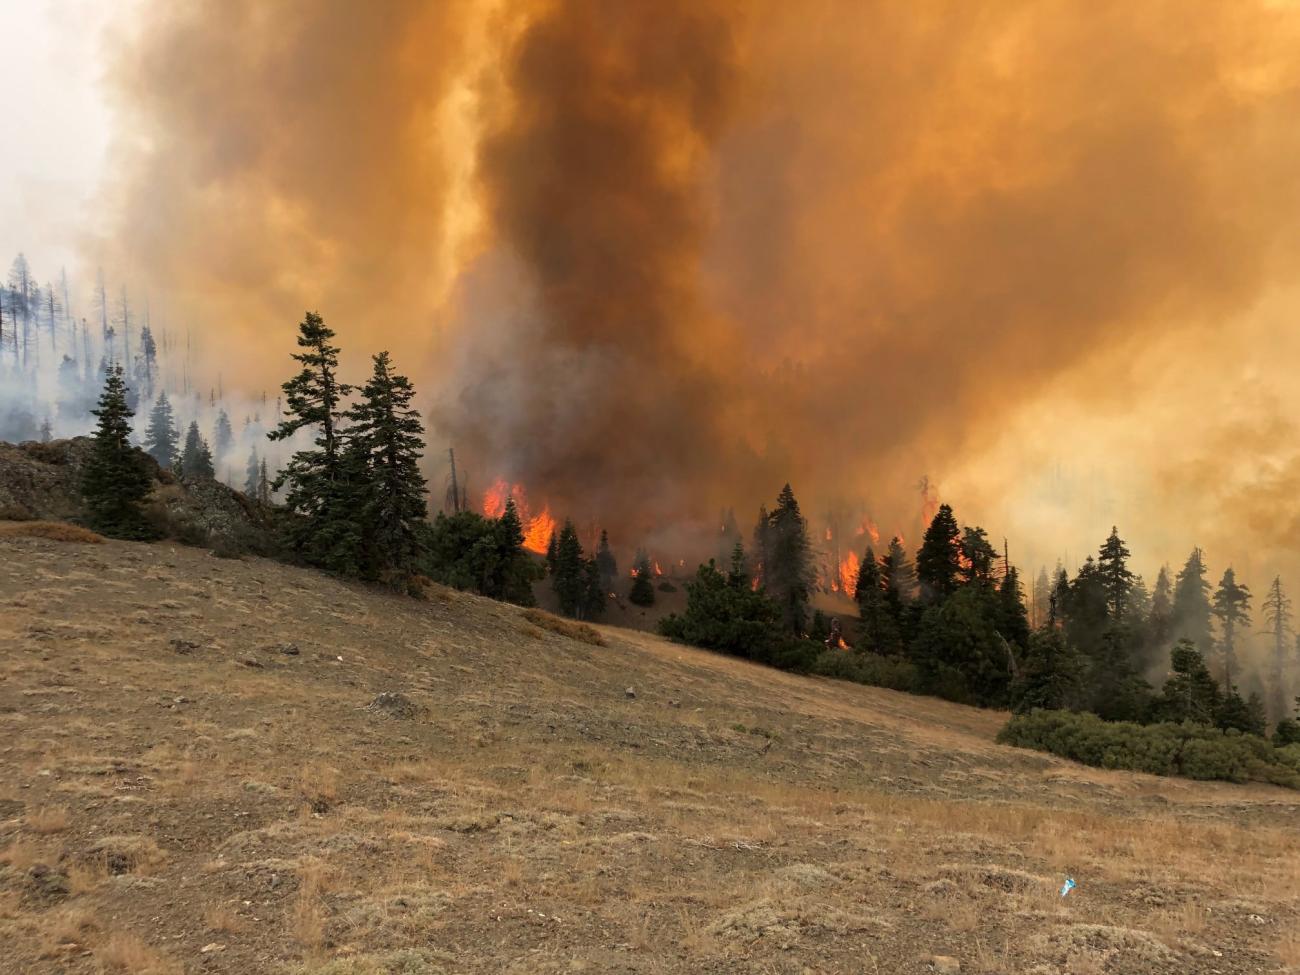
[55, 531]
[191, 781]
[581, 632]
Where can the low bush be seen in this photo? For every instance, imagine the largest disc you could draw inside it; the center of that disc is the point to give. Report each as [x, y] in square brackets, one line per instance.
[1194, 751]
[574, 631]
[867, 668]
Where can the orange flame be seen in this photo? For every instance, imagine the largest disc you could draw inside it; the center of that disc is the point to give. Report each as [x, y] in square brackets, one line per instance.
[870, 528]
[658, 571]
[848, 578]
[537, 528]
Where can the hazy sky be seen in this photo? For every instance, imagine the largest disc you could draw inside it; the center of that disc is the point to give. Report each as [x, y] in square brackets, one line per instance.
[57, 126]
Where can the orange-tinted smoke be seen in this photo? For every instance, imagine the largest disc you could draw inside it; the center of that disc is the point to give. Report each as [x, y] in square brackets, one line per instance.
[723, 245]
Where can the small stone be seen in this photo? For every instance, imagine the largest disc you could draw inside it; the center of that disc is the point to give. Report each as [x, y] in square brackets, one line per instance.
[630, 692]
[944, 964]
[250, 662]
[209, 948]
[183, 646]
[1255, 919]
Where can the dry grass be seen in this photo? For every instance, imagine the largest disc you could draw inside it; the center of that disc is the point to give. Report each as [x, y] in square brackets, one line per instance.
[21, 854]
[223, 918]
[54, 531]
[48, 820]
[566, 628]
[131, 955]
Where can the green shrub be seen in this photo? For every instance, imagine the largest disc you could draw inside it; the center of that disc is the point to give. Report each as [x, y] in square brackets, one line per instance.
[1194, 751]
[867, 668]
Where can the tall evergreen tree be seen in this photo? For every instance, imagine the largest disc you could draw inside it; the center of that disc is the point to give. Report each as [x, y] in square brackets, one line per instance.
[196, 458]
[552, 552]
[1116, 579]
[593, 591]
[897, 572]
[114, 482]
[762, 531]
[1012, 618]
[223, 437]
[1277, 613]
[515, 571]
[977, 557]
[1160, 619]
[878, 622]
[317, 488]
[606, 562]
[1085, 609]
[567, 577]
[1191, 605]
[161, 437]
[788, 573]
[938, 563]
[388, 492]
[1042, 597]
[642, 592]
[252, 473]
[1190, 693]
[1051, 675]
[1232, 609]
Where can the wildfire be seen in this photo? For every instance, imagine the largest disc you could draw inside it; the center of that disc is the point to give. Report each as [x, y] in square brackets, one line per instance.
[869, 527]
[658, 571]
[848, 577]
[537, 528]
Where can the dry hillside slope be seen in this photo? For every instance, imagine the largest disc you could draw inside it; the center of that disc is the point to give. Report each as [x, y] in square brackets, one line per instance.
[192, 779]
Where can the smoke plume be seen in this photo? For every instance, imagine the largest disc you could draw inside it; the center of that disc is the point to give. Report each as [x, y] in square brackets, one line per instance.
[649, 259]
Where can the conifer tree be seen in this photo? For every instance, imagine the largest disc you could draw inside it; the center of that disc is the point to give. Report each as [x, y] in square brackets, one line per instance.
[1160, 619]
[114, 482]
[1051, 674]
[567, 577]
[897, 575]
[758, 564]
[938, 563]
[1085, 609]
[252, 473]
[196, 458]
[787, 573]
[878, 624]
[606, 562]
[552, 552]
[263, 484]
[593, 591]
[1012, 618]
[1190, 693]
[160, 438]
[317, 488]
[1277, 613]
[514, 572]
[387, 490]
[1191, 604]
[1042, 597]
[642, 592]
[1116, 579]
[1232, 609]
[222, 434]
[977, 556]
[1241, 714]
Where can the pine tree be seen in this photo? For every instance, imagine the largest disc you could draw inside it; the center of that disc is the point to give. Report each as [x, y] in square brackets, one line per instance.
[1160, 618]
[897, 575]
[47, 430]
[196, 458]
[552, 553]
[762, 528]
[1191, 604]
[642, 592]
[1239, 714]
[1012, 618]
[1042, 597]
[1051, 675]
[977, 556]
[161, 437]
[593, 591]
[263, 484]
[938, 563]
[1116, 579]
[317, 488]
[1190, 693]
[114, 482]
[222, 434]
[606, 561]
[567, 576]
[787, 572]
[1232, 610]
[514, 570]
[878, 623]
[387, 490]
[1277, 613]
[252, 473]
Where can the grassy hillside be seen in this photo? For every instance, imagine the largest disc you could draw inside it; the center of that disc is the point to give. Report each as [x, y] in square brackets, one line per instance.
[194, 778]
